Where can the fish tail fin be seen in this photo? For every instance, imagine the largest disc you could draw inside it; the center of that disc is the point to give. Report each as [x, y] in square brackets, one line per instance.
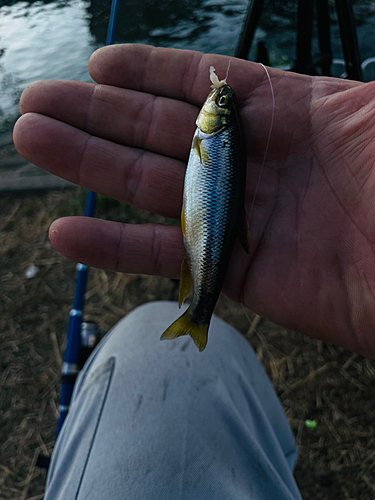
[185, 325]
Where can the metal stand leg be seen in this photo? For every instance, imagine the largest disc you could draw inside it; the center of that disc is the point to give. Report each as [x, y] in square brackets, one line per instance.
[251, 22]
[349, 39]
[304, 61]
[262, 54]
[324, 33]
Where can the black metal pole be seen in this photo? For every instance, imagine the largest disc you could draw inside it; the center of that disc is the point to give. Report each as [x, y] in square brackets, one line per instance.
[262, 53]
[303, 62]
[324, 33]
[251, 22]
[349, 39]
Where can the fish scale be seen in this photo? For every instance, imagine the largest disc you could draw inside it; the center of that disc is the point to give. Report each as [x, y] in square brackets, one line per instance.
[213, 211]
[208, 197]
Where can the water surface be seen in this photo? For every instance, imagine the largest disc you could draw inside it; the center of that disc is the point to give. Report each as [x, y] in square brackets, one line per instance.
[54, 39]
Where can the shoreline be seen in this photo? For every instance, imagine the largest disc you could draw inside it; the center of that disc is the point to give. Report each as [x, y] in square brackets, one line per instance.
[18, 175]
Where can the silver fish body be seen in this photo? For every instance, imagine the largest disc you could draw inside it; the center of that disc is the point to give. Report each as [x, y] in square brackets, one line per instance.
[211, 208]
[213, 212]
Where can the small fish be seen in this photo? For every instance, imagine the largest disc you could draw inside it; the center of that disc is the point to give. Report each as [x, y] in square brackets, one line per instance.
[213, 212]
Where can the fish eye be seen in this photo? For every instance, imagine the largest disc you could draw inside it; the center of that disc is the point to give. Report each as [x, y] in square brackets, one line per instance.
[223, 100]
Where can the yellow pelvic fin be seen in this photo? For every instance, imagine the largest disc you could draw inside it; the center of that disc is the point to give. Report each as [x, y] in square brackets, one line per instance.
[185, 325]
[186, 281]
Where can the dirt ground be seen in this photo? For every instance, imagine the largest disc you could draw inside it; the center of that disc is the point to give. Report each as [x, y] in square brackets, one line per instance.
[314, 380]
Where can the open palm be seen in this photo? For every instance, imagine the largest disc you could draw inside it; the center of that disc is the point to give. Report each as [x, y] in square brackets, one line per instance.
[312, 227]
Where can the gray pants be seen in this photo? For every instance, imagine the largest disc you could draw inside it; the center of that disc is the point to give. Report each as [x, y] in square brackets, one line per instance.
[161, 421]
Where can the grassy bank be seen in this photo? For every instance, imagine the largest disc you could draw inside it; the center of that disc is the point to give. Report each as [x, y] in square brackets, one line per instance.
[314, 381]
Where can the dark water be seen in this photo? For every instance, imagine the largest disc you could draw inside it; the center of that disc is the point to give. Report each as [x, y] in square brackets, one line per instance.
[54, 39]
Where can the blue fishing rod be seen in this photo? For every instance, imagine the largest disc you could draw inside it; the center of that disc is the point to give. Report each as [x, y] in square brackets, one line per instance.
[73, 351]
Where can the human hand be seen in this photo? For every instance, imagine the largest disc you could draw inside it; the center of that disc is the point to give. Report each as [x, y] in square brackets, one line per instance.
[312, 231]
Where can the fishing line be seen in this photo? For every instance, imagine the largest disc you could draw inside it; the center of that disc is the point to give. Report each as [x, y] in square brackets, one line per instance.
[226, 76]
[268, 142]
[258, 184]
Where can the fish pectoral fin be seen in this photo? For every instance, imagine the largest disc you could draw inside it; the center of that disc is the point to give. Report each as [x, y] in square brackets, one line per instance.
[244, 234]
[196, 145]
[185, 325]
[186, 281]
[200, 149]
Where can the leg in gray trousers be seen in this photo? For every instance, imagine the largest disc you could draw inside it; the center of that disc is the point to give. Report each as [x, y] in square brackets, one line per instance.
[159, 420]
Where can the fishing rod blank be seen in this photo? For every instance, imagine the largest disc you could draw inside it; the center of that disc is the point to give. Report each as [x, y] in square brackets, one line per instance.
[72, 356]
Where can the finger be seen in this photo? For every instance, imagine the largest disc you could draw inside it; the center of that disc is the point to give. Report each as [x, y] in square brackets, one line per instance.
[184, 74]
[144, 249]
[145, 180]
[180, 74]
[157, 124]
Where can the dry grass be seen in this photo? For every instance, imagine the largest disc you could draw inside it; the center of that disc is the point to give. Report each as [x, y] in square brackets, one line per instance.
[314, 380]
